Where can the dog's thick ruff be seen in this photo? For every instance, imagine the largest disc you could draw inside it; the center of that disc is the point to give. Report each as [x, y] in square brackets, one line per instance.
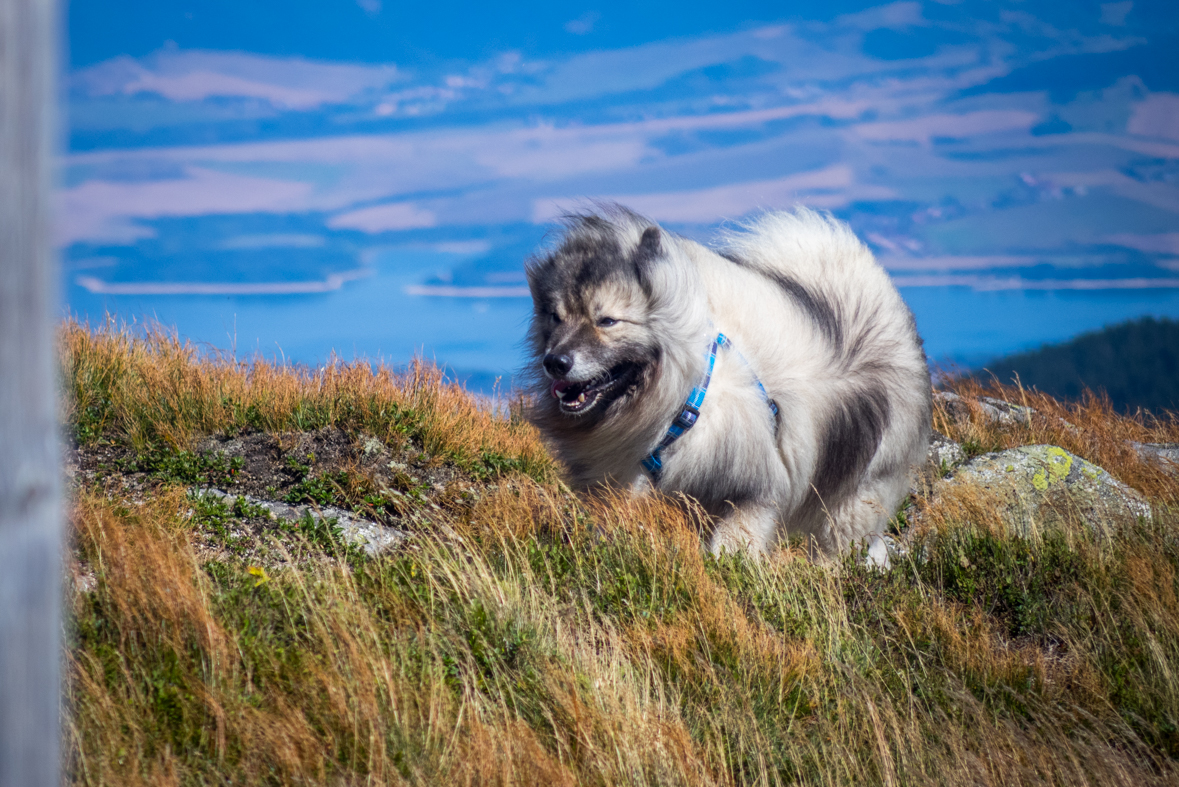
[622, 310]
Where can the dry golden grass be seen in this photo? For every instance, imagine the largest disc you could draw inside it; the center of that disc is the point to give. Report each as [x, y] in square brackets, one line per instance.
[152, 389]
[535, 638]
[1092, 429]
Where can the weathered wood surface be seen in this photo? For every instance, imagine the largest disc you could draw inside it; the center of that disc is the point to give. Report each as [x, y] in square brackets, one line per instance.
[30, 508]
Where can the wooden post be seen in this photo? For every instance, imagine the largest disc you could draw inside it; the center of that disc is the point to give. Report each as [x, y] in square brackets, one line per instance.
[30, 507]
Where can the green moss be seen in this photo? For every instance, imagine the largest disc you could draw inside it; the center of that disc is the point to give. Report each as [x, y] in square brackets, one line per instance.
[326, 489]
[183, 467]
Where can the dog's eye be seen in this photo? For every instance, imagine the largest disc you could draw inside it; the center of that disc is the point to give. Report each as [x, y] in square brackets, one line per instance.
[606, 322]
[553, 316]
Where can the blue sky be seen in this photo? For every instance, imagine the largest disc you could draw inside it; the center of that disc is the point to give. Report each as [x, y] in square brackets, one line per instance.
[367, 177]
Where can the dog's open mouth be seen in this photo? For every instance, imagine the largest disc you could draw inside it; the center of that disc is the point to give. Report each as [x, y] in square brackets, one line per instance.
[577, 398]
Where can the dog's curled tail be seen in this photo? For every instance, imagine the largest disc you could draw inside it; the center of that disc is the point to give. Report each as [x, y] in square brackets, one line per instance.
[811, 247]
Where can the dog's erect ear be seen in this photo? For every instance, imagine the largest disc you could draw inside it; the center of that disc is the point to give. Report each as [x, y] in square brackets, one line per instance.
[650, 249]
[650, 246]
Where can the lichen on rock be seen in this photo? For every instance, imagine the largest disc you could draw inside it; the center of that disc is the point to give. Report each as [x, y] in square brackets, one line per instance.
[1040, 486]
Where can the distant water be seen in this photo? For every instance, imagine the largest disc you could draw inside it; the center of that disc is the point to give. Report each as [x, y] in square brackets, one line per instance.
[965, 327]
[480, 340]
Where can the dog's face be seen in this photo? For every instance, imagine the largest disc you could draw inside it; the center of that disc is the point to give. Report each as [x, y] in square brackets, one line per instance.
[591, 332]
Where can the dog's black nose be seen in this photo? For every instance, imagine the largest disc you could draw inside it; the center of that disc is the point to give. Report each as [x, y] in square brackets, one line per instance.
[558, 365]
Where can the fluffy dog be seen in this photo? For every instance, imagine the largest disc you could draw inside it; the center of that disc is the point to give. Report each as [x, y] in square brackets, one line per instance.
[816, 398]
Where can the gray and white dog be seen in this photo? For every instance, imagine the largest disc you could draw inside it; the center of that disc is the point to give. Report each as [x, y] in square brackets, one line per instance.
[818, 401]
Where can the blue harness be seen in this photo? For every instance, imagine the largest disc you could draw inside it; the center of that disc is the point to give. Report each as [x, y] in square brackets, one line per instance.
[690, 412]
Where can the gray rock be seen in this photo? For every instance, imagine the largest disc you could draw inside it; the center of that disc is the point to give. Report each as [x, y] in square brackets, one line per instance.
[953, 404]
[1165, 455]
[943, 455]
[944, 452]
[372, 537]
[1044, 485]
[993, 410]
[1006, 412]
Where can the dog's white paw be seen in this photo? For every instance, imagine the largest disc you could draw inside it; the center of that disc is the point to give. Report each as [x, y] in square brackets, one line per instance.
[877, 556]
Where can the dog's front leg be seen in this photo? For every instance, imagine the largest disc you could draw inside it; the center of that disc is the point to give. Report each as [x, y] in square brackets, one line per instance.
[641, 486]
[749, 527]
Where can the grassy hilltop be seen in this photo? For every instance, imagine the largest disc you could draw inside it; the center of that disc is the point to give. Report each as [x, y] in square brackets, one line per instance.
[520, 635]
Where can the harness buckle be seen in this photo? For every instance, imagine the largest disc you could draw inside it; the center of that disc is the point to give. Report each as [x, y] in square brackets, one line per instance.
[687, 417]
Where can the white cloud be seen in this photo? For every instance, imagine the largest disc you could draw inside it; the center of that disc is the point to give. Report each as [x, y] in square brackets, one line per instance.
[1115, 13]
[1159, 194]
[1092, 138]
[893, 15]
[345, 171]
[994, 283]
[957, 263]
[499, 171]
[1162, 243]
[970, 124]
[198, 85]
[834, 108]
[194, 75]
[379, 167]
[275, 240]
[826, 188]
[384, 218]
[332, 282]
[450, 291]
[648, 66]
[463, 247]
[583, 24]
[548, 153]
[826, 53]
[1157, 116]
[100, 210]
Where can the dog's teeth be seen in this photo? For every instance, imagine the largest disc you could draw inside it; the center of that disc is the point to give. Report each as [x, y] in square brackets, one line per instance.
[581, 399]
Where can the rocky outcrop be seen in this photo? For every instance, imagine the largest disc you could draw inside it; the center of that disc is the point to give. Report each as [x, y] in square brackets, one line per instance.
[1164, 455]
[996, 411]
[944, 453]
[943, 456]
[1038, 486]
[991, 409]
[370, 536]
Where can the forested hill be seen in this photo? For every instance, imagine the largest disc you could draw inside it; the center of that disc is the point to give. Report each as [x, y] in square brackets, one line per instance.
[1136, 363]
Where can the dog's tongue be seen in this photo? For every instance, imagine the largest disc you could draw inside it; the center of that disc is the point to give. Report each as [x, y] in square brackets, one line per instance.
[558, 387]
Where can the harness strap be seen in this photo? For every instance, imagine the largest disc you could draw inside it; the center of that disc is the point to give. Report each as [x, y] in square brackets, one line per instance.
[727, 343]
[690, 413]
